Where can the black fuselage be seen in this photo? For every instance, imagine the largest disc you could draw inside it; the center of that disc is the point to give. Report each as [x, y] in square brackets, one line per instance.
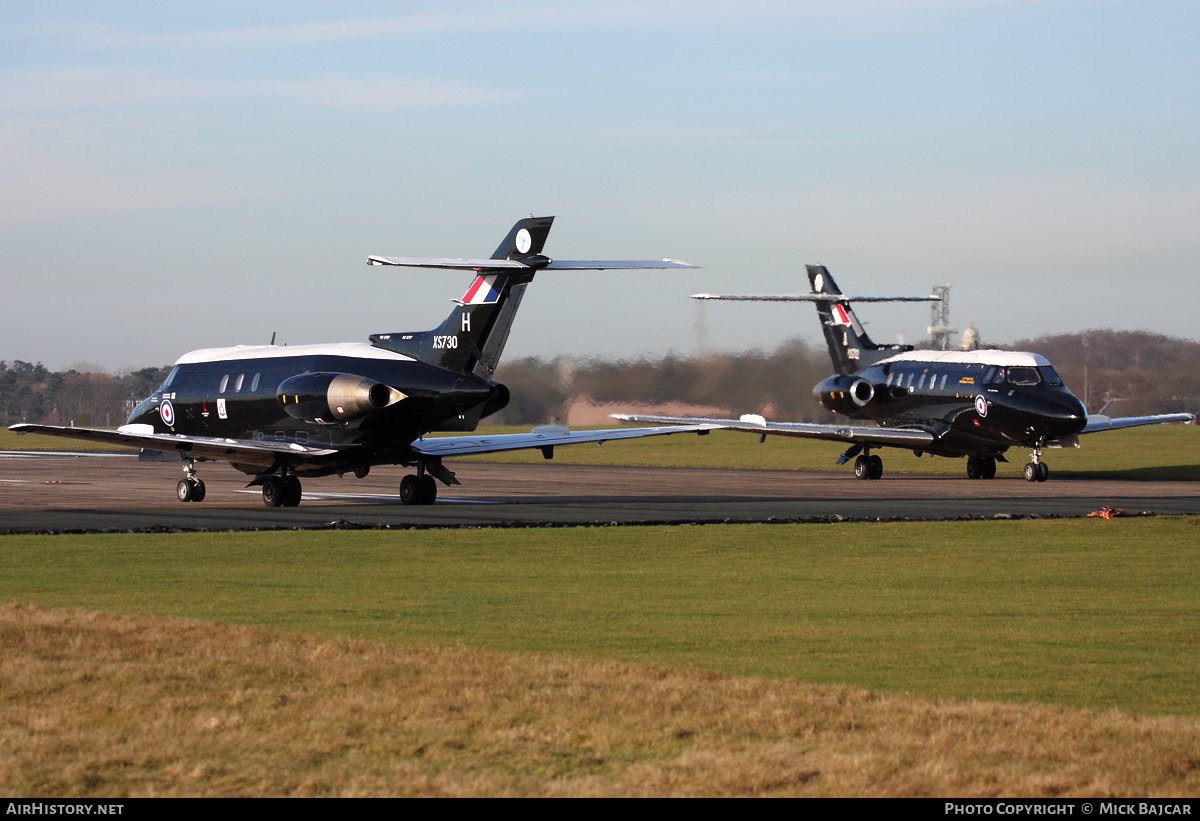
[977, 403]
[281, 394]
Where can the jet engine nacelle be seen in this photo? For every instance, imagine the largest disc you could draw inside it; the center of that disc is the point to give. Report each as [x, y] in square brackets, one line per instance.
[844, 394]
[499, 400]
[333, 398]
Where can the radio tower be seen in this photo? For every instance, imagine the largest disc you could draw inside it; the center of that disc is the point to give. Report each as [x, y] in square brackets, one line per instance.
[940, 329]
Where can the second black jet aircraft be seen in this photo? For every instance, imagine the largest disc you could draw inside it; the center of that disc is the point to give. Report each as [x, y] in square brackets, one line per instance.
[975, 404]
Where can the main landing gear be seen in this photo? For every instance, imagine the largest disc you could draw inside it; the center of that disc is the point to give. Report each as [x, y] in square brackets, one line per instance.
[190, 488]
[868, 466]
[981, 467]
[281, 491]
[418, 489]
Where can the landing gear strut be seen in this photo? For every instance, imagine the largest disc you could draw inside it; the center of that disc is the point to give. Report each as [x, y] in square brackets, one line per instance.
[1036, 470]
[190, 488]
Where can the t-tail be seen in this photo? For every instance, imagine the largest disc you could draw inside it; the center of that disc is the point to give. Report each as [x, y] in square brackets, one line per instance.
[850, 348]
[472, 337]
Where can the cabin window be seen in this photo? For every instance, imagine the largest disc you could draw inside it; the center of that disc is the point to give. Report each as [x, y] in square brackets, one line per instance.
[908, 381]
[254, 382]
[889, 382]
[1025, 377]
[943, 385]
[1049, 375]
[238, 385]
[921, 382]
[224, 383]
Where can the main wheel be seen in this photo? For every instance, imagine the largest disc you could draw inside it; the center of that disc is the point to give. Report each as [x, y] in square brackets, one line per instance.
[1043, 472]
[974, 468]
[428, 490]
[292, 491]
[989, 468]
[410, 490]
[185, 490]
[862, 468]
[876, 467]
[274, 493]
[1031, 472]
[198, 491]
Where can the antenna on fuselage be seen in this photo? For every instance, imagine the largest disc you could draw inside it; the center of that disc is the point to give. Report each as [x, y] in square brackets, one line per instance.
[273, 336]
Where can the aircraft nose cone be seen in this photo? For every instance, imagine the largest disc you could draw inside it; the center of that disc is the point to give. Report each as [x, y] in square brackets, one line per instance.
[1067, 415]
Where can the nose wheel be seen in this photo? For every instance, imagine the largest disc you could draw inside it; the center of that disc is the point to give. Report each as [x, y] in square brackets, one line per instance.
[1036, 470]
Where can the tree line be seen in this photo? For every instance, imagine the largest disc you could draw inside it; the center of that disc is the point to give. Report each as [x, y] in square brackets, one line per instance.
[1123, 373]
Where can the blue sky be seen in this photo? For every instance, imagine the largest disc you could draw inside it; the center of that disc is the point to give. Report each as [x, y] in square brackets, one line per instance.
[178, 176]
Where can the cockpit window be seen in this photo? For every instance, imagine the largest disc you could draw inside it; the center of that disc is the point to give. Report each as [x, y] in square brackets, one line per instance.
[170, 378]
[1049, 375]
[1024, 376]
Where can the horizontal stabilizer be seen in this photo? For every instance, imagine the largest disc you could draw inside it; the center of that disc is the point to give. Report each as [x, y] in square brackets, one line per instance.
[816, 298]
[541, 264]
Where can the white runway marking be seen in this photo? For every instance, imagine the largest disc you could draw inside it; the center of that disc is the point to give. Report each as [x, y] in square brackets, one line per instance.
[58, 454]
[378, 498]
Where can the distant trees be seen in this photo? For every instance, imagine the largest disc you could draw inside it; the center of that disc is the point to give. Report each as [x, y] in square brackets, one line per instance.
[31, 393]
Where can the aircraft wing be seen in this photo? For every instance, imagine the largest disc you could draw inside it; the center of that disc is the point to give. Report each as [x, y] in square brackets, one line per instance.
[547, 436]
[200, 447]
[858, 434]
[554, 264]
[1097, 422]
[816, 298]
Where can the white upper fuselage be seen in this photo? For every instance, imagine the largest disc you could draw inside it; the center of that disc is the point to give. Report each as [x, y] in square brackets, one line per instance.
[1003, 359]
[358, 350]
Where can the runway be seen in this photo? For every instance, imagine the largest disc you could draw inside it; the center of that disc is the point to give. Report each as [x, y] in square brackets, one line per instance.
[113, 493]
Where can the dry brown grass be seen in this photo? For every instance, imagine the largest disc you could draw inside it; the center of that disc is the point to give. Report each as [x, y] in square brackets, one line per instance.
[104, 705]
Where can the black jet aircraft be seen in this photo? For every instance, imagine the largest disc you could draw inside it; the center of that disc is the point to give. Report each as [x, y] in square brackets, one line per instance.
[277, 413]
[975, 404]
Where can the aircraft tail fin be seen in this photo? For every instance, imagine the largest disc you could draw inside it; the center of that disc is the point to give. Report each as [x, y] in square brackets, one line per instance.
[850, 347]
[472, 338]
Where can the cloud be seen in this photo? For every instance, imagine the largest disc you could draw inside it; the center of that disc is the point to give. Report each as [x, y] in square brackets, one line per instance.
[57, 89]
[493, 18]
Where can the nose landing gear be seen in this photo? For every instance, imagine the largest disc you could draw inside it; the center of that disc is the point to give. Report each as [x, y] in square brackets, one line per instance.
[1036, 470]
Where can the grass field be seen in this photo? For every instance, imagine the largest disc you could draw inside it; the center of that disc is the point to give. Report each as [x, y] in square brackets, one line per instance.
[1094, 614]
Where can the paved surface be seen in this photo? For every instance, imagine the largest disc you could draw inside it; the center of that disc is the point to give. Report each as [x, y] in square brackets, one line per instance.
[64, 492]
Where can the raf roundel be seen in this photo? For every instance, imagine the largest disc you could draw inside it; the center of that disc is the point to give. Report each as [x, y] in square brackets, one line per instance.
[524, 241]
[981, 406]
[167, 411]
